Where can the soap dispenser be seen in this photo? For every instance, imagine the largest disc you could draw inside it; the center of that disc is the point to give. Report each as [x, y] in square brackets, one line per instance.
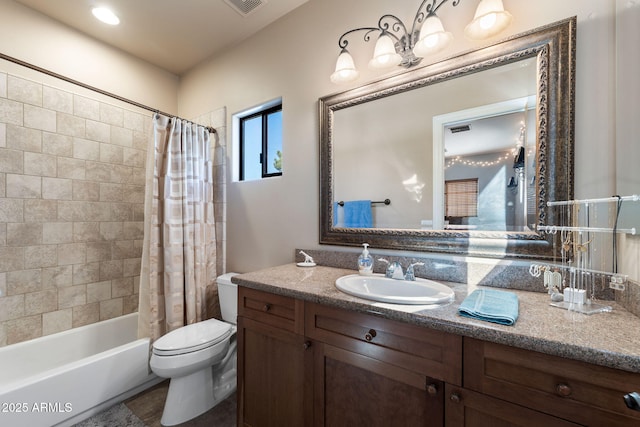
[365, 262]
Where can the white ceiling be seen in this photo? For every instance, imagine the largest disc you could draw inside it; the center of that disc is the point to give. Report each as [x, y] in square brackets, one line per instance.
[172, 34]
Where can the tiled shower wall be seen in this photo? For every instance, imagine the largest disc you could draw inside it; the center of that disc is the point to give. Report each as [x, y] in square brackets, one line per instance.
[71, 209]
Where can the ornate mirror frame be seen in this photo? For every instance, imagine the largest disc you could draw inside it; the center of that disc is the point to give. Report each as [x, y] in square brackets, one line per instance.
[554, 47]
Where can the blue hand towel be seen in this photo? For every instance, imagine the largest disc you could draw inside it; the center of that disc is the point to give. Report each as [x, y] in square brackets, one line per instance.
[491, 305]
[357, 214]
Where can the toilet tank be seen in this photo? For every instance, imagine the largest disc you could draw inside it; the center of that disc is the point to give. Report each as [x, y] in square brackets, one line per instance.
[228, 297]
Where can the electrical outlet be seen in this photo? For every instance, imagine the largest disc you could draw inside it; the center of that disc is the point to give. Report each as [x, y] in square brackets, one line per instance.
[617, 286]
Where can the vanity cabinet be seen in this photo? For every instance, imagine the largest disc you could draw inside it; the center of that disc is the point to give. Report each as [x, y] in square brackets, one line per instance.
[274, 361]
[307, 364]
[377, 372]
[571, 390]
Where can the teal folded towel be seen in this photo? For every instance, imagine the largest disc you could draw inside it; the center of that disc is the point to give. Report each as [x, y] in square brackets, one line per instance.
[491, 305]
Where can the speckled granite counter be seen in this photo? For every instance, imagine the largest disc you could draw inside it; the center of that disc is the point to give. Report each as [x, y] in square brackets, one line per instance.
[609, 339]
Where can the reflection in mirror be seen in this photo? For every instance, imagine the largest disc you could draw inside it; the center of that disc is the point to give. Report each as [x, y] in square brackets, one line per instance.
[404, 139]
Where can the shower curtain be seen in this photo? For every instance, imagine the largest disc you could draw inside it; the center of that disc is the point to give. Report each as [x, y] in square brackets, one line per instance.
[179, 247]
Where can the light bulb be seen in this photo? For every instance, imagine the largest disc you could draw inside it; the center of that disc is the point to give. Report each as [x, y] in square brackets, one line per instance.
[105, 15]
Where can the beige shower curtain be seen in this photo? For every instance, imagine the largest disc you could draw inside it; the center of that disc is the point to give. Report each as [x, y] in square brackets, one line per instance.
[179, 248]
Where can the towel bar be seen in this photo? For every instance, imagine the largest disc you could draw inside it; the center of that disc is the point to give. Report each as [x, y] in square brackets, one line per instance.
[385, 201]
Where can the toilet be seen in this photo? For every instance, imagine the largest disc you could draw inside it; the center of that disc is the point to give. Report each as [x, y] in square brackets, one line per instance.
[200, 360]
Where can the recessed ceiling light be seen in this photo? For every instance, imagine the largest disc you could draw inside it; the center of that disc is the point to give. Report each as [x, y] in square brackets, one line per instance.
[105, 15]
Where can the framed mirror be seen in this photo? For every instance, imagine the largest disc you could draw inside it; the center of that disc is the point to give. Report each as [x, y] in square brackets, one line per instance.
[460, 156]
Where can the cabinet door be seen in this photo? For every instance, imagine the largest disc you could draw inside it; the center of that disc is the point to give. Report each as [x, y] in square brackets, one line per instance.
[351, 389]
[273, 385]
[465, 408]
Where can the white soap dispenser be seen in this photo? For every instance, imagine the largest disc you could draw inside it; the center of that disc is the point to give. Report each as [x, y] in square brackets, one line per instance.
[365, 262]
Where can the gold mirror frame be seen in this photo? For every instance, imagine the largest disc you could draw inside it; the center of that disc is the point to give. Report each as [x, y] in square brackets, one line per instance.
[554, 47]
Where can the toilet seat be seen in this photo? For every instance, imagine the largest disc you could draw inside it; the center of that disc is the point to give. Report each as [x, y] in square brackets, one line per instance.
[190, 338]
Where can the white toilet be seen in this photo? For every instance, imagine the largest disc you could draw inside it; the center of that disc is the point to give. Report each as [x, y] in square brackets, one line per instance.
[200, 359]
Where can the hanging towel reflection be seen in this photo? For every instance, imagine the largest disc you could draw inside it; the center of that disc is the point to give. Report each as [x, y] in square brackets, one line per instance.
[357, 214]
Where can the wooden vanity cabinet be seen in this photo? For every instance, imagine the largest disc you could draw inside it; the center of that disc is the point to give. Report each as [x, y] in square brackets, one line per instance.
[371, 371]
[583, 393]
[274, 361]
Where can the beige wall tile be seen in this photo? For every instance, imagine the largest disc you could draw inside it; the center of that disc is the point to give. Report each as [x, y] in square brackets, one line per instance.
[133, 121]
[111, 231]
[40, 256]
[120, 173]
[86, 314]
[86, 273]
[99, 291]
[22, 138]
[71, 168]
[23, 329]
[24, 281]
[40, 302]
[3, 180]
[3, 85]
[57, 145]
[40, 118]
[140, 141]
[40, 164]
[22, 234]
[3, 284]
[133, 193]
[86, 231]
[110, 153]
[122, 287]
[58, 100]
[11, 307]
[86, 190]
[122, 211]
[11, 210]
[57, 188]
[111, 270]
[3, 234]
[72, 296]
[58, 277]
[100, 172]
[11, 112]
[98, 251]
[131, 266]
[122, 249]
[57, 321]
[111, 192]
[11, 259]
[24, 186]
[134, 229]
[57, 232]
[130, 304]
[72, 253]
[40, 210]
[23, 90]
[3, 135]
[86, 107]
[71, 125]
[98, 131]
[111, 114]
[11, 161]
[121, 136]
[86, 149]
[134, 157]
[111, 308]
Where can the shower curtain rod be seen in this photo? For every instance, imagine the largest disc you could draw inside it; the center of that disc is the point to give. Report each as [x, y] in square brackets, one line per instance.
[95, 89]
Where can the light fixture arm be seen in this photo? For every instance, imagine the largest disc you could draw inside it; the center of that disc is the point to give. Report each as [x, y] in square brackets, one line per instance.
[343, 42]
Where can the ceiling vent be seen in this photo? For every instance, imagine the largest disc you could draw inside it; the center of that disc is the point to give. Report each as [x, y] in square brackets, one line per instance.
[245, 7]
[463, 128]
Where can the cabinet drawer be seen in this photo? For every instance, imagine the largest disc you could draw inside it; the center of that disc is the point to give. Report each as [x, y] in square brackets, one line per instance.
[578, 391]
[275, 310]
[432, 353]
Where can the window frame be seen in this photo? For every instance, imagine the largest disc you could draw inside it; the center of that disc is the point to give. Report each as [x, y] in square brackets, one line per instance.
[264, 114]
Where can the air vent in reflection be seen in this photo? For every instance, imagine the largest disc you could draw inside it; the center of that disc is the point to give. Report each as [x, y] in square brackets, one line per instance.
[463, 128]
[245, 7]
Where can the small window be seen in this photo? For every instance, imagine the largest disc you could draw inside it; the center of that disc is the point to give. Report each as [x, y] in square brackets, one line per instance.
[461, 198]
[261, 144]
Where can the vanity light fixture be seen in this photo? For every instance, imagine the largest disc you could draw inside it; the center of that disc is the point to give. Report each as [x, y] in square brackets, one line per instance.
[398, 46]
[105, 15]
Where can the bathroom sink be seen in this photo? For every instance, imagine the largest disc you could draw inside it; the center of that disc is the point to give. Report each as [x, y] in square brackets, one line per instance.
[377, 287]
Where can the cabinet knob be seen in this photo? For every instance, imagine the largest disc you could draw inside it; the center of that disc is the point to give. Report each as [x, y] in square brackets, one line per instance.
[563, 389]
[432, 389]
[306, 345]
[455, 398]
[370, 335]
[632, 400]
[266, 307]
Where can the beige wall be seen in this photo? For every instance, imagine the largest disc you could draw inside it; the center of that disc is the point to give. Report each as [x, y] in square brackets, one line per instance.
[33, 38]
[293, 59]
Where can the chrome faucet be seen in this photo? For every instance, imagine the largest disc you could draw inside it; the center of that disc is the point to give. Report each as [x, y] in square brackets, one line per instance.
[394, 270]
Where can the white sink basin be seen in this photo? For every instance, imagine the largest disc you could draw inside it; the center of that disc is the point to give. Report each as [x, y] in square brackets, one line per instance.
[377, 287]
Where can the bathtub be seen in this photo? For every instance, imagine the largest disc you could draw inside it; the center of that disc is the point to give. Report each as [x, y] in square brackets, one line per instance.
[63, 378]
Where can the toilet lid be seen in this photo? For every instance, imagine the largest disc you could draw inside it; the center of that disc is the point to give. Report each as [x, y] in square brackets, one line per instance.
[192, 337]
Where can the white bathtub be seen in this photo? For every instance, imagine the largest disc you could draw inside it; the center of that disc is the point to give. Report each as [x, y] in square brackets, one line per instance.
[63, 378]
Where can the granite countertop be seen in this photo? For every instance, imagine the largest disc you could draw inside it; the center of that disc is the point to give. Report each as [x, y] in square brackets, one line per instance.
[609, 339]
